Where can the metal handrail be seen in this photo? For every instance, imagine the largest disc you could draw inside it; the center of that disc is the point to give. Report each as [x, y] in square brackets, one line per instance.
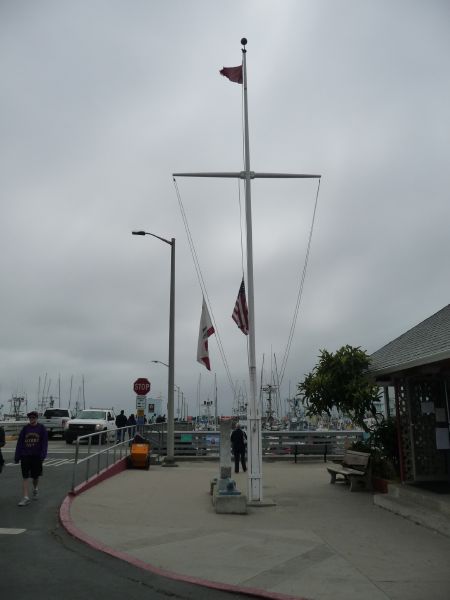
[110, 451]
[13, 427]
[194, 443]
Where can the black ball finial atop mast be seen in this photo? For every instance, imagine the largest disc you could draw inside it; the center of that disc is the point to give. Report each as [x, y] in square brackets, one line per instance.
[244, 41]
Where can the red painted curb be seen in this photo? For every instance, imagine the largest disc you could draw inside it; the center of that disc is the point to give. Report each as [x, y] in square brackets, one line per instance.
[66, 521]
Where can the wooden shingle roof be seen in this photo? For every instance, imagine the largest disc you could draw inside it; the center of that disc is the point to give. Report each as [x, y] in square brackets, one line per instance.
[427, 342]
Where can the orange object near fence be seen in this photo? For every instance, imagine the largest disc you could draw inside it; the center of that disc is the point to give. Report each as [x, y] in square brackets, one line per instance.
[139, 457]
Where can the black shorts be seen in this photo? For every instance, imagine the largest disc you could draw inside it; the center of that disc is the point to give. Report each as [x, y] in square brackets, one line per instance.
[31, 466]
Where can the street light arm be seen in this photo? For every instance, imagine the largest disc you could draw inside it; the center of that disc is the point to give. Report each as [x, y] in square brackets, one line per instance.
[160, 362]
[153, 235]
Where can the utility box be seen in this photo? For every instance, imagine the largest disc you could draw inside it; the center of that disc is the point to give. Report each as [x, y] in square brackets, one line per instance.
[139, 454]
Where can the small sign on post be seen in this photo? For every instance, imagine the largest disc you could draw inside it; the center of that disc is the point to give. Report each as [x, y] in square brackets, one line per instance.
[141, 402]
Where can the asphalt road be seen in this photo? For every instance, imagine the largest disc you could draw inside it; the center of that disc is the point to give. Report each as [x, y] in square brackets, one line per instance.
[43, 562]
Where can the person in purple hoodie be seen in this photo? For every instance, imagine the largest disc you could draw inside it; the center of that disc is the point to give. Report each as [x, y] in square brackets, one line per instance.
[31, 450]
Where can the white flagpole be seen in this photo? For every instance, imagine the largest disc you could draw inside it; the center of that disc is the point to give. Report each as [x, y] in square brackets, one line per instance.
[254, 417]
[254, 413]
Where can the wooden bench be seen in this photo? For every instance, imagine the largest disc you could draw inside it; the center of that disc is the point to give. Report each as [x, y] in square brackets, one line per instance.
[355, 468]
[308, 448]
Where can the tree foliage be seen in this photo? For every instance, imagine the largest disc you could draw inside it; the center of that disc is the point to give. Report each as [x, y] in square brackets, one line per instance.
[340, 380]
[382, 444]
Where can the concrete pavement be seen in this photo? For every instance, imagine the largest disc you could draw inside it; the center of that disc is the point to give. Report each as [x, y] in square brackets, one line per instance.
[319, 541]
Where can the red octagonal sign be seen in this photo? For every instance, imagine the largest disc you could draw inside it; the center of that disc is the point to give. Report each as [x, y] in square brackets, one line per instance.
[141, 386]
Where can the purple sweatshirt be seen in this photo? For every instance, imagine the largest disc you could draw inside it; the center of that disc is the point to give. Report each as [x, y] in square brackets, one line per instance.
[33, 441]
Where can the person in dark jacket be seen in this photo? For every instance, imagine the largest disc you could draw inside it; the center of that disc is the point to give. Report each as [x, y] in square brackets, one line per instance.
[31, 450]
[238, 439]
[121, 421]
[2, 443]
[132, 424]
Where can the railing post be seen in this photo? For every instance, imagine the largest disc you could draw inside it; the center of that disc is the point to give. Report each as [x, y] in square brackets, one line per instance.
[75, 466]
[88, 457]
[99, 454]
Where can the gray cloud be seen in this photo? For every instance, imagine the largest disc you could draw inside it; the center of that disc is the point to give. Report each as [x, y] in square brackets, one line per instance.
[102, 101]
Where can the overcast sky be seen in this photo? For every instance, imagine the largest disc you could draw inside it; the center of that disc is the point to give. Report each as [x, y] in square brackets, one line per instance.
[103, 100]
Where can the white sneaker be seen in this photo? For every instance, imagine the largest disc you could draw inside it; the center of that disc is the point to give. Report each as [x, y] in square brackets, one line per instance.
[25, 500]
[35, 494]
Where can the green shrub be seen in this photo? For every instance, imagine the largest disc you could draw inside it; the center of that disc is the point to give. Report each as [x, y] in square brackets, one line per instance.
[382, 445]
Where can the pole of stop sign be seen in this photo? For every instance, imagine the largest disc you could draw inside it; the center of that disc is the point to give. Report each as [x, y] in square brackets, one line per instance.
[141, 388]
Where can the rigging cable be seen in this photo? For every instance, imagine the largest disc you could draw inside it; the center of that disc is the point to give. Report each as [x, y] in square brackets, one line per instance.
[300, 292]
[240, 206]
[242, 255]
[261, 399]
[277, 384]
[203, 287]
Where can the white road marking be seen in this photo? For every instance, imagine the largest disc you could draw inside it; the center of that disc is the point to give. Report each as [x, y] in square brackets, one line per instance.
[51, 462]
[56, 462]
[10, 531]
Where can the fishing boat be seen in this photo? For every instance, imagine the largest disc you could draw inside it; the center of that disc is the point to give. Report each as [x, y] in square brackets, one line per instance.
[18, 409]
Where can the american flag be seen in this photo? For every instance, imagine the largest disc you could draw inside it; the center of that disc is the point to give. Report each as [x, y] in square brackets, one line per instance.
[240, 312]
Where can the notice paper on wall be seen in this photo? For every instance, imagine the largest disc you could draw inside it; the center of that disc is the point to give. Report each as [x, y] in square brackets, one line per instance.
[441, 415]
[442, 438]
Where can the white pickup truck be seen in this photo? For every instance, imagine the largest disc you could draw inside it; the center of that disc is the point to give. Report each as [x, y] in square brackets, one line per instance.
[92, 420]
[54, 420]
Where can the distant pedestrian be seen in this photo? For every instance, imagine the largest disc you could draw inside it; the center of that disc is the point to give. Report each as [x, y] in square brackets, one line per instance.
[121, 421]
[132, 426]
[31, 450]
[2, 443]
[238, 439]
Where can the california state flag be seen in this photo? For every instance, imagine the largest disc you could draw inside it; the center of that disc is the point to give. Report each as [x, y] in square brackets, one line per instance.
[206, 329]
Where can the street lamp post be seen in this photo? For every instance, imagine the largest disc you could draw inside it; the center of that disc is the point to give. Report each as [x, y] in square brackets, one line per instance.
[169, 460]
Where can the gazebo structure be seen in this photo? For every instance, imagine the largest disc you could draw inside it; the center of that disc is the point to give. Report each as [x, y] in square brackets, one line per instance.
[417, 365]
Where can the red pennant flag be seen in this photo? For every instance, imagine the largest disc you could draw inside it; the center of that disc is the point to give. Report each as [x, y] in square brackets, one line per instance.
[233, 73]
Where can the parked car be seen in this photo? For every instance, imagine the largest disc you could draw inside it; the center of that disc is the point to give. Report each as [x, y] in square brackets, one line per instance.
[92, 420]
[54, 420]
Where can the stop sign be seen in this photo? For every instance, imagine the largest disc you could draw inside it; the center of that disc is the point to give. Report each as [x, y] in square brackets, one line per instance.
[141, 386]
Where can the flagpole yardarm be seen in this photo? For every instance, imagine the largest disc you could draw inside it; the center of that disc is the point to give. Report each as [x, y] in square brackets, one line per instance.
[254, 433]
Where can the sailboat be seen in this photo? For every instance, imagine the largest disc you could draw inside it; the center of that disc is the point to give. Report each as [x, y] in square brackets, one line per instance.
[255, 487]
[240, 409]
